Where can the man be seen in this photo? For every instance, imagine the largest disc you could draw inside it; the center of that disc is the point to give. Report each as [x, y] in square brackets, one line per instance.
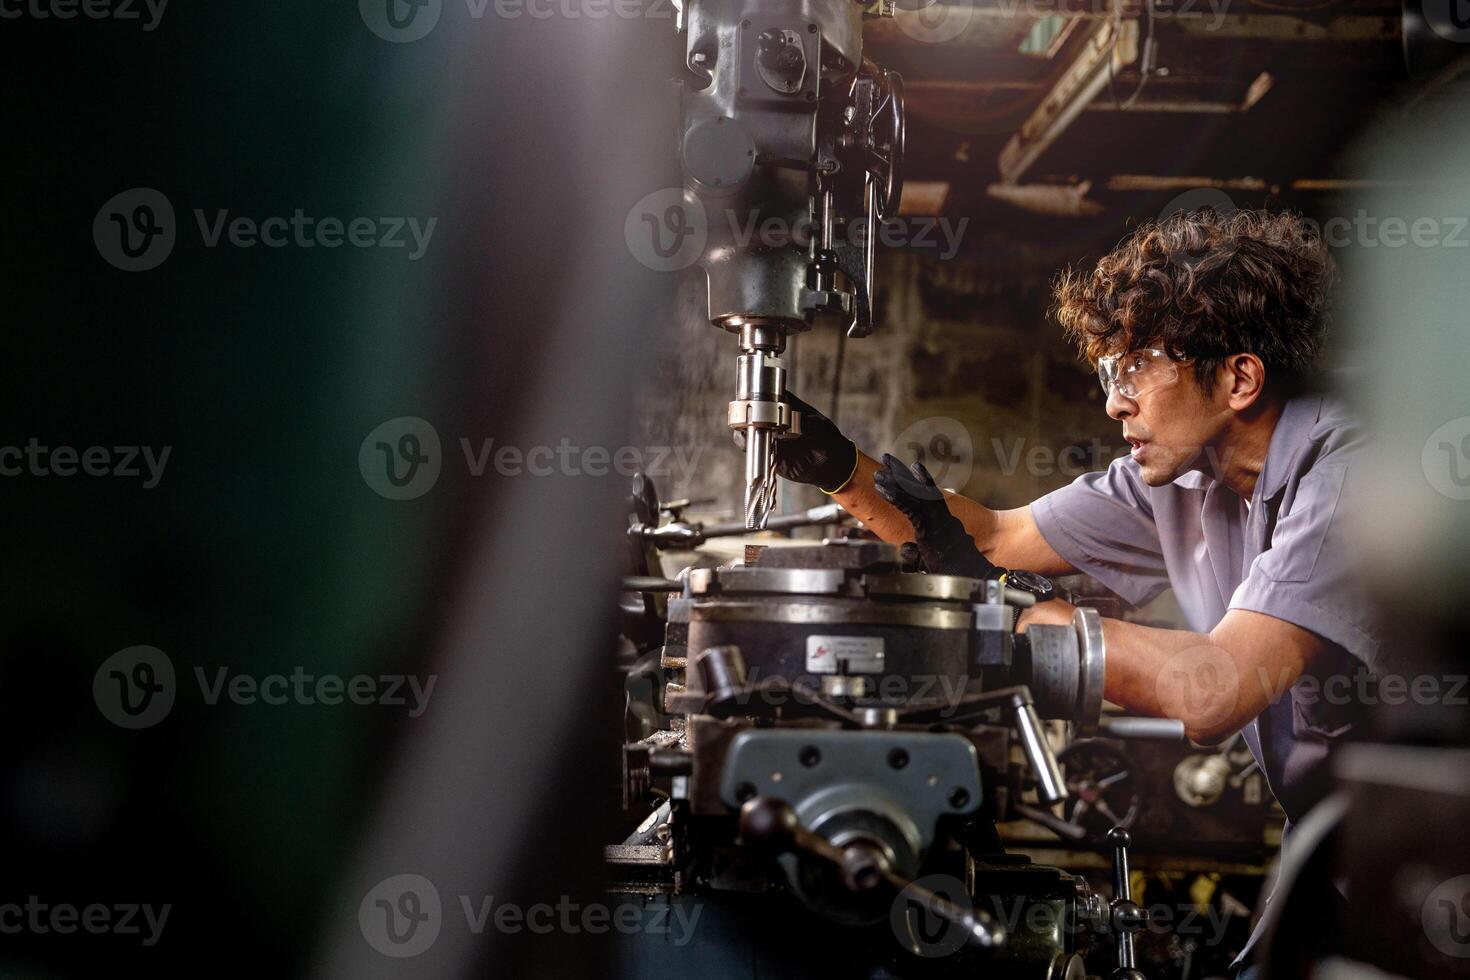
[1205, 330]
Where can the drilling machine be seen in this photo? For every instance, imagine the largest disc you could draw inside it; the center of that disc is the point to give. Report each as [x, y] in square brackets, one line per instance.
[821, 739]
[786, 127]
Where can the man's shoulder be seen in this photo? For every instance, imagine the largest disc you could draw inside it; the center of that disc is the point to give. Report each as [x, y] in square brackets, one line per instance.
[1336, 433]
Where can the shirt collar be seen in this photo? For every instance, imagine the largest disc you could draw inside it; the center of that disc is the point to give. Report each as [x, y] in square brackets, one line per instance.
[1298, 417]
[1290, 437]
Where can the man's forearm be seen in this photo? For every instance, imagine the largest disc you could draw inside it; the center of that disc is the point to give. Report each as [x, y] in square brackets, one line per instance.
[1215, 683]
[1008, 538]
[862, 500]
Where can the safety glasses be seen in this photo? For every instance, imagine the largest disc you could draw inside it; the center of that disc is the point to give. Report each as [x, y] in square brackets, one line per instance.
[1137, 372]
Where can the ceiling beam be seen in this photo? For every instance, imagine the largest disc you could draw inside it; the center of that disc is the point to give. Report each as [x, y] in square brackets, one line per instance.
[1078, 84]
[976, 25]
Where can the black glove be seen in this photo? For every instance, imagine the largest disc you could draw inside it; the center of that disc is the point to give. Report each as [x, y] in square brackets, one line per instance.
[821, 456]
[945, 547]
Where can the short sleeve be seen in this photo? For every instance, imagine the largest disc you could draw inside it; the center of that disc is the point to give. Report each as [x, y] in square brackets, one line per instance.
[1103, 524]
[1309, 575]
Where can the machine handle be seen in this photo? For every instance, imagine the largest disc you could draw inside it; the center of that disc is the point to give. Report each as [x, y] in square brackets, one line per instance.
[1049, 785]
[1127, 916]
[1162, 729]
[773, 826]
[1064, 829]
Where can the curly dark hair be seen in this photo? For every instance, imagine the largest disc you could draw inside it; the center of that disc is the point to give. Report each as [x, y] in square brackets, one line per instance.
[1207, 285]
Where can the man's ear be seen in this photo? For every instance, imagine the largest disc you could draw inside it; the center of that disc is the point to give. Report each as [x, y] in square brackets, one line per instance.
[1242, 380]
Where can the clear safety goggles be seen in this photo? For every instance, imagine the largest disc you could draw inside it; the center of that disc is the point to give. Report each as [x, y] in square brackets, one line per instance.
[1137, 372]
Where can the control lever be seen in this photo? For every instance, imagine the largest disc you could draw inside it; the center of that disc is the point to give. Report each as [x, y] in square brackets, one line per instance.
[1049, 785]
[1016, 702]
[1065, 829]
[772, 825]
[682, 534]
[1127, 916]
[1160, 729]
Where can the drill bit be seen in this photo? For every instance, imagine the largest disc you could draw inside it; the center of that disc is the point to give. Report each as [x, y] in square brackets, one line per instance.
[760, 477]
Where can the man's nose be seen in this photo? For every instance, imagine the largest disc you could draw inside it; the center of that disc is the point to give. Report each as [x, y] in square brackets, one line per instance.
[1118, 407]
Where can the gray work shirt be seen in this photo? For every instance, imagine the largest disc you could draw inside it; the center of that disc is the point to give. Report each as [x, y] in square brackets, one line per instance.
[1290, 554]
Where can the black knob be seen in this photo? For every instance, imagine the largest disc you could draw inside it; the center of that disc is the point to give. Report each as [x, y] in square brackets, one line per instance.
[768, 823]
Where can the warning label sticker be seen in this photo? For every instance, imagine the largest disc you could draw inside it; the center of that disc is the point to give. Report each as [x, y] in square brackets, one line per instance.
[830, 654]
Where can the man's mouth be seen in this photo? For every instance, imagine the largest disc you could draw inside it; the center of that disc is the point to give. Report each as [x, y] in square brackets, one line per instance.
[1137, 445]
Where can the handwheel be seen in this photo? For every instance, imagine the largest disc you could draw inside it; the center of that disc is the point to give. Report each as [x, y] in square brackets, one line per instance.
[885, 141]
[1100, 785]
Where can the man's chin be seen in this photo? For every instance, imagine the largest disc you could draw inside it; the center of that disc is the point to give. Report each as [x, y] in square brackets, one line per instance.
[1156, 475]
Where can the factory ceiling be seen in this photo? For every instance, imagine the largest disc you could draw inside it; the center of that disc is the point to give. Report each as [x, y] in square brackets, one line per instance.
[1075, 108]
